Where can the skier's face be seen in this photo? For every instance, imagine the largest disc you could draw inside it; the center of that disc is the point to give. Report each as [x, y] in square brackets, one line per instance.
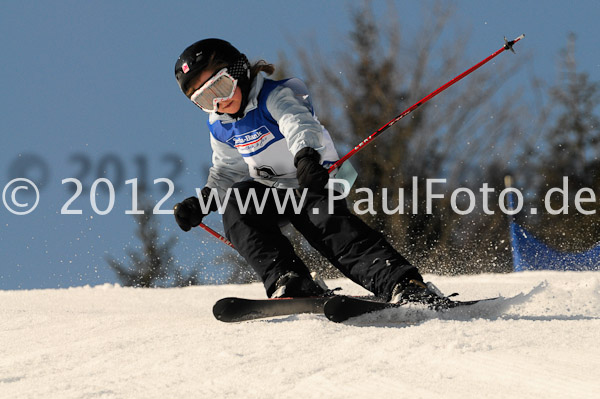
[229, 106]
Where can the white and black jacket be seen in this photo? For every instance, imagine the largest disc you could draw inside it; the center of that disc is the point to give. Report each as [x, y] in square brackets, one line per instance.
[278, 122]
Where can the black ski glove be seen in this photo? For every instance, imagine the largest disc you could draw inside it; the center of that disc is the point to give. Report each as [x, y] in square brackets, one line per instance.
[188, 212]
[310, 173]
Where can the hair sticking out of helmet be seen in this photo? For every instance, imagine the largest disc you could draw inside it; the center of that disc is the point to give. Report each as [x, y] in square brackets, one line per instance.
[210, 54]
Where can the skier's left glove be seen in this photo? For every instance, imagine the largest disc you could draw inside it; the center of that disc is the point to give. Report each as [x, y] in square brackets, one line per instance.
[309, 171]
[188, 212]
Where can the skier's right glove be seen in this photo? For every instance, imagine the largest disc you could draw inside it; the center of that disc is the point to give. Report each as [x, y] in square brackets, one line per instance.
[188, 212]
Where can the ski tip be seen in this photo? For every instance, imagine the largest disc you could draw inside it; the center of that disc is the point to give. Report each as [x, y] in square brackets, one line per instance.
[456, 304]
[341, 308]
[222, 309]
[332, 309]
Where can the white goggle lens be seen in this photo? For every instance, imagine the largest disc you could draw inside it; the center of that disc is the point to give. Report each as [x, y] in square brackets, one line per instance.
[220, 87]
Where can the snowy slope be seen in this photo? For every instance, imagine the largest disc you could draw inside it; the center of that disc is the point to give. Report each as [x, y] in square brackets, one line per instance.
[541, 341]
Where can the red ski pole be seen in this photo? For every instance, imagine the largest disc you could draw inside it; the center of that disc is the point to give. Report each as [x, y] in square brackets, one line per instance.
[216, 235]
[508, 45]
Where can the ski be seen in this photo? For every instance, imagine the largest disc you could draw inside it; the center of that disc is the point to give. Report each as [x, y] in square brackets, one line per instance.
[337, 308]
[241, 309]
[341, 308]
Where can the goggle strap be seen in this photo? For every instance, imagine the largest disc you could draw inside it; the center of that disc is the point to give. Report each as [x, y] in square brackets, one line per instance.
[240, 68]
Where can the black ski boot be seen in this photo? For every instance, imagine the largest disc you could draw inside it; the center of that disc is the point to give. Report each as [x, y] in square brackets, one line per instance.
[293, 285]
[416, 291]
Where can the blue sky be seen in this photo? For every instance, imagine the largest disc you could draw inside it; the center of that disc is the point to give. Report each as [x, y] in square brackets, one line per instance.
[88, 91]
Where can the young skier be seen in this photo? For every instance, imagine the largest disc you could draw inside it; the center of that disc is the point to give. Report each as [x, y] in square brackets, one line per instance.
[266, 140]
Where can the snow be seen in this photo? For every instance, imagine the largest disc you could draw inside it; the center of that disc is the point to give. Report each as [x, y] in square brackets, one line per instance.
[540, 340]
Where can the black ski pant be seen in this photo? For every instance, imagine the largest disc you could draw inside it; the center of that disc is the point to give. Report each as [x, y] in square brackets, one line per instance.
[359, 252]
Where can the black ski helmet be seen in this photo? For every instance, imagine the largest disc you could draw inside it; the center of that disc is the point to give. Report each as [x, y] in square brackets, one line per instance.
[197, 57]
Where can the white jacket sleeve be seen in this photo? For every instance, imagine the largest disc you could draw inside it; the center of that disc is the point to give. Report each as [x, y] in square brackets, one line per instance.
[228, 167]
[293, 112]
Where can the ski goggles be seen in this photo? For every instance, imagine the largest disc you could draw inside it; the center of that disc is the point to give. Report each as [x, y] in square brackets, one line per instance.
[220, 87]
